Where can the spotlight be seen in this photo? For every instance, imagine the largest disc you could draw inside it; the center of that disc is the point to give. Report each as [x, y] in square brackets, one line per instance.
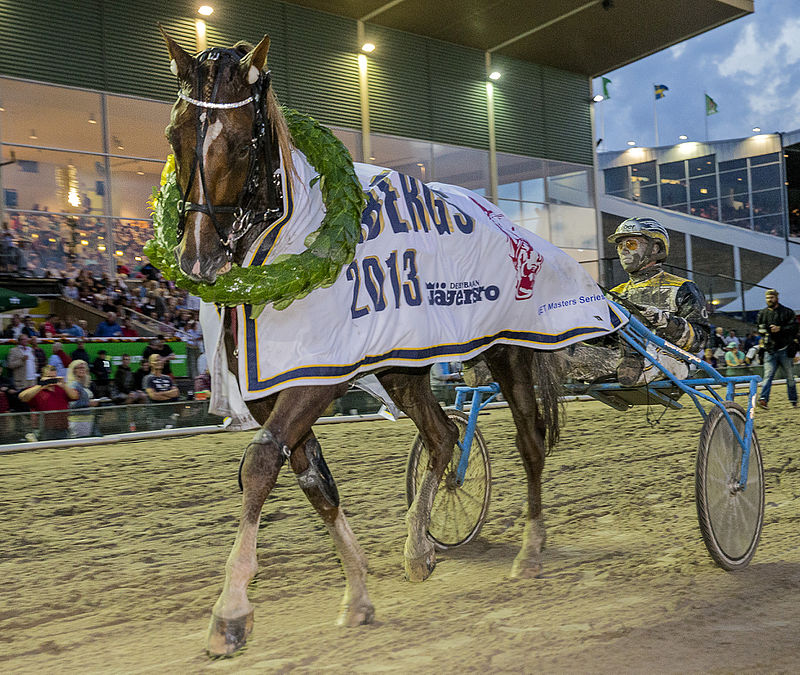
[368, 47]
[631, 143]
[495, 75]
[683, 137]
[92, 119]
[205, 10]
[756, 130]
[598, 97]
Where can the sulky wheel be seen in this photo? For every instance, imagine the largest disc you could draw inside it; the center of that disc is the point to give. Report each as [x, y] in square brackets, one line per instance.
[730, 518]
[459, 511]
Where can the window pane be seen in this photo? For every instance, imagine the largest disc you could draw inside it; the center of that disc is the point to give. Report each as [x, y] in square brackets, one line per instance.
[132, 184]
[57, 117]
[733, 164]
[700, 166]
[535, 217]
[508, 191]
[676, 260]
[130, 236]
[649, 195]
[764, 159]
[569, 184]
[59, 182]
[672, 171]
[616, 179]
[533, 190]
[767, 202]
[413, 158]
[672, 193]
[683, 208]
[644, 173]
[61, 243]
[763, 177]
[573, 226]
[769, 224]
[735, 207]
[513, 209]
[705, 209]
[704, 187]
[744, 222]
[733, 182]
[461, 166]
[136, 128]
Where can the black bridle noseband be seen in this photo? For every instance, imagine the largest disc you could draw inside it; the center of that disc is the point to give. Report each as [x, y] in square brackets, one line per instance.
[260, 150]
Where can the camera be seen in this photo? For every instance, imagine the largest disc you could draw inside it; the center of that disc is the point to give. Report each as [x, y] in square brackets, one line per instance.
[50, 380]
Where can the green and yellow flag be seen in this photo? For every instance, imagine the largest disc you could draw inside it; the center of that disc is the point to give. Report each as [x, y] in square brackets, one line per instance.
[711, 106]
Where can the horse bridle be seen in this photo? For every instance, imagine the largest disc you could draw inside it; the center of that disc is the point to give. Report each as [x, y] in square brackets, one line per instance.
[244, 217]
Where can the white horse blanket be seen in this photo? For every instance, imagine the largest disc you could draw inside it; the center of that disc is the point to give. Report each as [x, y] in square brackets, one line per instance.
[440, 274]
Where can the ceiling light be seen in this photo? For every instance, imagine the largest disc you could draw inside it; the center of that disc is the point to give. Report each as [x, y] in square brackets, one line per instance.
[84, 242]
[598, 97]
[101, 248]
[756, 130]
[2, 109]
[92, 120]
[495, 75]
[33, 135]
[683, 137]
[205, 10]
[631, 143]
[140, 173]
[118, 253]
[368, 47]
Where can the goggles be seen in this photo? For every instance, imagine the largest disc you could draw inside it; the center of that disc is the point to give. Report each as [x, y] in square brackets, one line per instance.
[631, 244]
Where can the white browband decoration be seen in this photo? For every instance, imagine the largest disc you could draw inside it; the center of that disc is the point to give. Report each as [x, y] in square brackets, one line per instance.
[208, 104]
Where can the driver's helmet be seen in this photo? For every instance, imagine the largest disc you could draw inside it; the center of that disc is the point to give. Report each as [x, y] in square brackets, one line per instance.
[643, 227]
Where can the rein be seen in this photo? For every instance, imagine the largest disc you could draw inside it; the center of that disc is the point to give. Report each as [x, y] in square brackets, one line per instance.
[260, 151]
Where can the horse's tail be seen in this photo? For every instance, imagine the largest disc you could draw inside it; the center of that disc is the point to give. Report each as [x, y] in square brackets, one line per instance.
[548, 373]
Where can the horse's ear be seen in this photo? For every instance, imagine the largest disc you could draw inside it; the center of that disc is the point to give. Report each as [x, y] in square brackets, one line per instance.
[254, 62]
[181, 60]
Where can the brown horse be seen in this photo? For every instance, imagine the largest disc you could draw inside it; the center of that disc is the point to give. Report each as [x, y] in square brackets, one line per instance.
[214, 125]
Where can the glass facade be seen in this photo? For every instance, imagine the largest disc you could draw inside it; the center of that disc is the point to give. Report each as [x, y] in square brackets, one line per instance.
[745, 192]
[86, 164]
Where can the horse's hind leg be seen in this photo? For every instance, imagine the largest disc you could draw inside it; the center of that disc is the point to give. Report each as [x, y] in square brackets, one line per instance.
[512, 369]
[410, 390]
[318, 484]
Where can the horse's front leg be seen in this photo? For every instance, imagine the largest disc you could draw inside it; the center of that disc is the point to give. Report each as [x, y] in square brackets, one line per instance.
[410, 390]
[232, 616]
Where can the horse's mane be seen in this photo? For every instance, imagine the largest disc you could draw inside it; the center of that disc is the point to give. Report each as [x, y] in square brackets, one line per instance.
[279, 126]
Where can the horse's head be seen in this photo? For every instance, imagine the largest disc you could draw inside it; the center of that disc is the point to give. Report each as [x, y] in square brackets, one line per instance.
[219, 133]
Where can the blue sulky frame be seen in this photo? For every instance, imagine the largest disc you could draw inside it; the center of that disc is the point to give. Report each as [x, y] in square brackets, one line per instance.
[662, 392]
[638, 336]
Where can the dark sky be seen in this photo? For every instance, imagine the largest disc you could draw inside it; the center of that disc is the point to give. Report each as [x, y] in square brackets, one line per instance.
[750, 67]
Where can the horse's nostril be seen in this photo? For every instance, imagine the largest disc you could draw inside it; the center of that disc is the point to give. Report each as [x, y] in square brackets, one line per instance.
[196, 268]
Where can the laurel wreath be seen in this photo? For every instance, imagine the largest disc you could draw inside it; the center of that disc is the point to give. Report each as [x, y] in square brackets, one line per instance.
[288, 277]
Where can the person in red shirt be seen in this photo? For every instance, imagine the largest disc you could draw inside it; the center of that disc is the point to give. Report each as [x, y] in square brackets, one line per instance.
[50, 394]
[127, 330]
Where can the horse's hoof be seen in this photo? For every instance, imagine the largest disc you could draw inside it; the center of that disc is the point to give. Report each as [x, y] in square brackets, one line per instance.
[525, 569]
[226, 636]
[356, 615]
[419, 569]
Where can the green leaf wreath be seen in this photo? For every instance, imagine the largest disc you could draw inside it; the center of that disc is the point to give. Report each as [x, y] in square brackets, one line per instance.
[288, 277]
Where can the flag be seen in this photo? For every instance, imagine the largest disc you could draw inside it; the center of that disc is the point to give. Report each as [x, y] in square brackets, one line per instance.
[606, 82]
[660, 90]
[711, 106]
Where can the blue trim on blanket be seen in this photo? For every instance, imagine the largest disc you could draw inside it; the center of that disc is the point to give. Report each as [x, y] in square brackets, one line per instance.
[254, 384]
[270, 236]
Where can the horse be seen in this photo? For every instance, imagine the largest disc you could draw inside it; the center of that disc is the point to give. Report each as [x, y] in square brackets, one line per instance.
[215, 123]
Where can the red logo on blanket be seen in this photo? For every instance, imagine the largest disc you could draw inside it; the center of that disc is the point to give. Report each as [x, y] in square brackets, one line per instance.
[527, 260]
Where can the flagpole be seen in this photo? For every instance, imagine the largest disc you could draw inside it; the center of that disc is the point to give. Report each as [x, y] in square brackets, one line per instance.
[655, 114]
[705, 109]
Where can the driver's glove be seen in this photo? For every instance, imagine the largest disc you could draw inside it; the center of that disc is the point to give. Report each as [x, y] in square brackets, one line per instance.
[655, 316]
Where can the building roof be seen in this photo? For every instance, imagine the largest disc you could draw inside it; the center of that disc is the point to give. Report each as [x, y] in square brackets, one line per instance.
[590, 37]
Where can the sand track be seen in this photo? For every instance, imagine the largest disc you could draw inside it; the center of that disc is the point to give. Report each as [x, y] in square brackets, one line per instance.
[111, 557]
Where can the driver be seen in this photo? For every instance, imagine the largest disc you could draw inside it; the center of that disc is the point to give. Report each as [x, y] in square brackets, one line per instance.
[674, 307]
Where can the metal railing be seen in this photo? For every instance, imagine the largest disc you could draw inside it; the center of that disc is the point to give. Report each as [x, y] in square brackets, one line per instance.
[100, 421]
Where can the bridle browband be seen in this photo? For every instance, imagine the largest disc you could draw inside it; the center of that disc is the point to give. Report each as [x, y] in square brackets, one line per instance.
[244, 217]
